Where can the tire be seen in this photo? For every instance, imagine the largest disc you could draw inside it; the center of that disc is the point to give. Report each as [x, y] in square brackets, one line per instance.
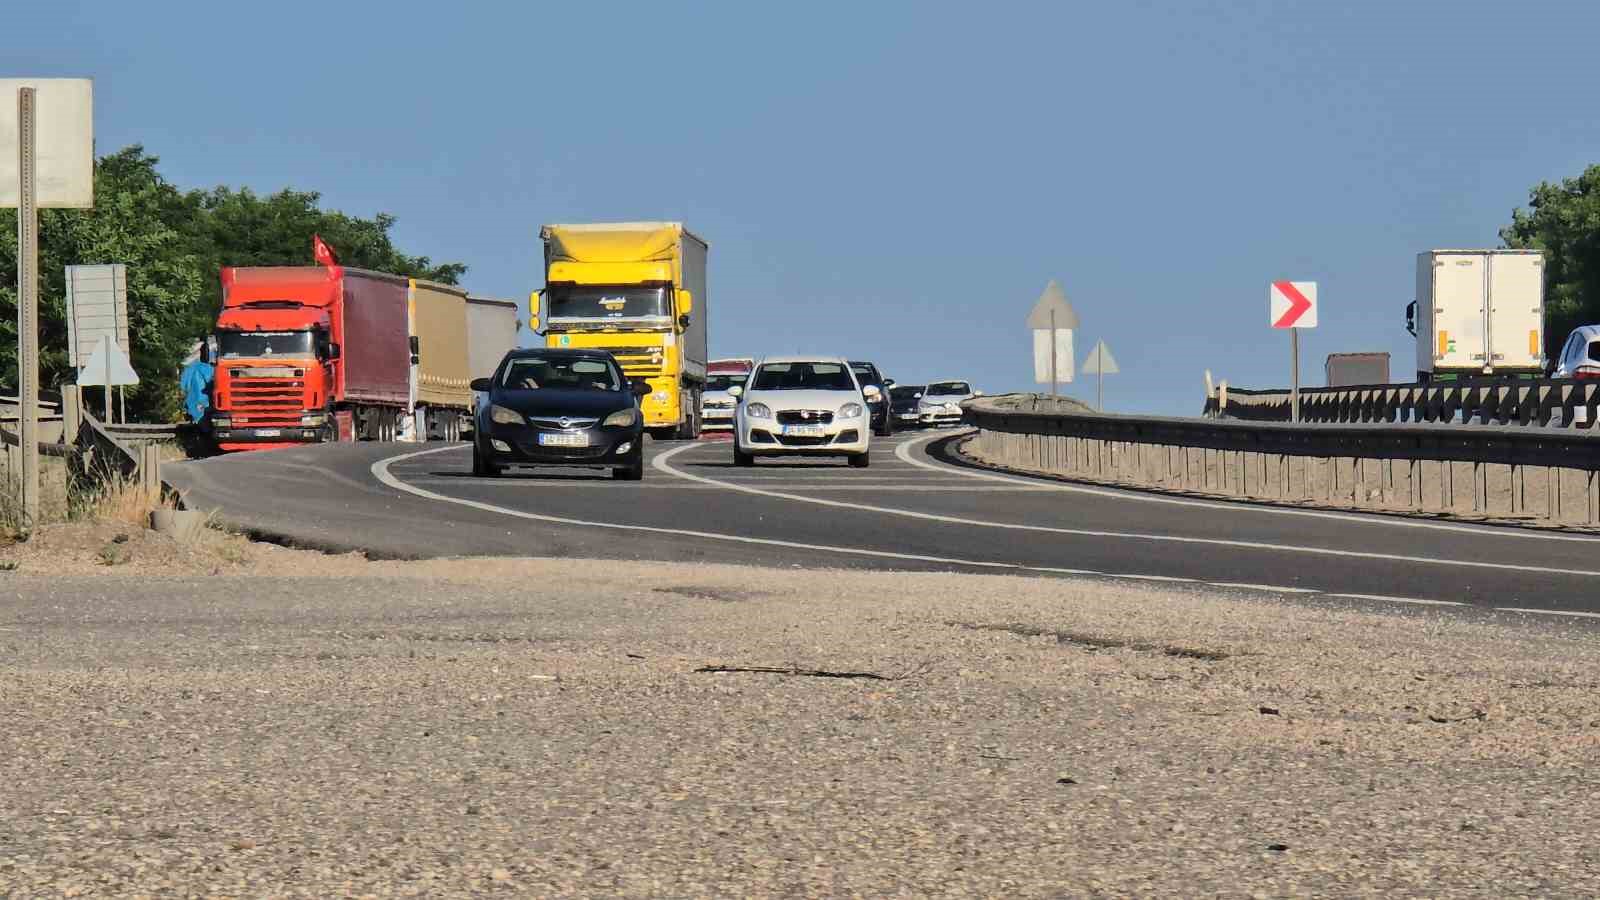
[634, 471]
[481, 467]
[888, 424]
[662, 434]
[689, 428]
[860, 460]
[742, 459]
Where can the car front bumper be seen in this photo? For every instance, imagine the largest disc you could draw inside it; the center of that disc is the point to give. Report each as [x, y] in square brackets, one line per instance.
[519, 445]
[764, 437]
[716, 419]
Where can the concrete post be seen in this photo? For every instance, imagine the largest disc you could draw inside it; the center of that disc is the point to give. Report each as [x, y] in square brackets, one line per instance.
[27, 314]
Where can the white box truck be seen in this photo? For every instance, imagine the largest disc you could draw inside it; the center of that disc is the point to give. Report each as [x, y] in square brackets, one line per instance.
[1479, 312]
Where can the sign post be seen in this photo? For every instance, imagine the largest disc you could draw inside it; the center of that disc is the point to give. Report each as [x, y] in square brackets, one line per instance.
[27, 309]
[54, 158]
[1100, 363]
[1052, 321]
[1293, 305]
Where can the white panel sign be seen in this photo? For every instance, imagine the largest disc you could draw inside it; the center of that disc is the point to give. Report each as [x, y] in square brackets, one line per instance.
[1041, 355]
[64, 125]
[1292, 304]
[97, 306]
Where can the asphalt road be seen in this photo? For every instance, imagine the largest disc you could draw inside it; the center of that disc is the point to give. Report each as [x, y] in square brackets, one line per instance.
[912, 510]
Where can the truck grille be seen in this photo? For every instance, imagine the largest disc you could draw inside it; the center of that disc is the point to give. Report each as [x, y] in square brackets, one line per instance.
[639, 361]
[266, 401]
[805, 417]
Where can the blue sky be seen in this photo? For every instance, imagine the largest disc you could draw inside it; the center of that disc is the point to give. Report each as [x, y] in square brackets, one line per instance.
[895, 181]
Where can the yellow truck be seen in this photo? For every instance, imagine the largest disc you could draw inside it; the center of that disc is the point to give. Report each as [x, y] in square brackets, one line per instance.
[637, 289]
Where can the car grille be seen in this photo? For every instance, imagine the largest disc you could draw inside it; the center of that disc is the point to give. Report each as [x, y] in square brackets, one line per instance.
[718, 404]
[554, 422]
[792, 440]
[805, 417]
[267, 401]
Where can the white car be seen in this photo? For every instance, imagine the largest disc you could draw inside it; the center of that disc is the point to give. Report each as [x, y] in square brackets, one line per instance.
[941, 402]
[802, 405]
[1580, 355]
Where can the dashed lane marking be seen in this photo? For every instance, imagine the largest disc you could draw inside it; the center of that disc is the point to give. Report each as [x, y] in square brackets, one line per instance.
[1263, 587]
[1549, 612]
[1382, 598]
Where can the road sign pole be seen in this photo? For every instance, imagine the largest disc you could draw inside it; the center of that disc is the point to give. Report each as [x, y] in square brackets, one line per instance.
[27, 310]
[1294, 360]
[1100, 389]
[1053, 380]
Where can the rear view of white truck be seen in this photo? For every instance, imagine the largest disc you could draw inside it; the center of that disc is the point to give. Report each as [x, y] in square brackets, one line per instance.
[1479, 312]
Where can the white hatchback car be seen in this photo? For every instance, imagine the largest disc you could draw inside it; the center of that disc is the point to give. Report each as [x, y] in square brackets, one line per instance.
[803, 405]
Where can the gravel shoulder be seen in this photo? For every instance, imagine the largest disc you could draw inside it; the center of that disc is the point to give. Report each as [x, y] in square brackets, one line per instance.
[290, 724]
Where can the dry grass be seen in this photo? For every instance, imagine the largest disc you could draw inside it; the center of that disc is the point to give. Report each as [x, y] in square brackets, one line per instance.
[120, 499]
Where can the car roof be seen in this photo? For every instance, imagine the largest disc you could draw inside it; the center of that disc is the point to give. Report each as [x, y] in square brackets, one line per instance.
[558, 352]
[839, 360]
[965, 381]
[1589, 331]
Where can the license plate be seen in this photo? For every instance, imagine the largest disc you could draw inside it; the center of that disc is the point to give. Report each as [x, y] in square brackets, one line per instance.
[564, 440]
[805, 430]
[268, 432]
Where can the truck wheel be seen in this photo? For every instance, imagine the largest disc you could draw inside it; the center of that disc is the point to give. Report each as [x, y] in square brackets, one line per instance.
[689, 428]
[860, 460]
[663, 434]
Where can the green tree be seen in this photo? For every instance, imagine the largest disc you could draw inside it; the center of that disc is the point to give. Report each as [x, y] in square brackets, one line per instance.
[173, 243]
[1563, 220]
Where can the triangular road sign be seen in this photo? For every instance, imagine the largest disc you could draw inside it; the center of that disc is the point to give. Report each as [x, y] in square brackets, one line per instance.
[1053, 299]
[1100, 361]
[108, 366]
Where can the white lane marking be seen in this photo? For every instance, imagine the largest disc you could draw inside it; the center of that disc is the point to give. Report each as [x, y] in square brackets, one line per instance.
[542, 483]
[663, 463]
[904, 452]
[1263, 587]
[1381, 598]
[1149, 577]
[380, 471]
[1549, 612]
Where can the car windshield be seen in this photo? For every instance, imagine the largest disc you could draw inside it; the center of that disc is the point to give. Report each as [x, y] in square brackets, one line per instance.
[723, 382]
[944, 388]
[582, 301]
[802, 376]
[264, 344]
[530, 373]
[906, 392]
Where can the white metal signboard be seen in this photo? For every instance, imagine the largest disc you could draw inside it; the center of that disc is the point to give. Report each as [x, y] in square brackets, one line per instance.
[1293, 304]
[64, 136]
[97, 306]
[1052, 321]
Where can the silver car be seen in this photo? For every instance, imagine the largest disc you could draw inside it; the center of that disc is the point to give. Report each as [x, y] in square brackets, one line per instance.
[1580, 355]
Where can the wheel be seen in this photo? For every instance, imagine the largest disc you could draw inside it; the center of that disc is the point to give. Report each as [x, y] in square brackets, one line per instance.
[663, 434]
[741, 458]
[887, 428]
[689, 428]
[860, 460]
[482, 467]
[634, 471]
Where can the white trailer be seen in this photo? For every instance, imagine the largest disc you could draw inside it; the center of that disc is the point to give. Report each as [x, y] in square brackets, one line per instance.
[1479, 312]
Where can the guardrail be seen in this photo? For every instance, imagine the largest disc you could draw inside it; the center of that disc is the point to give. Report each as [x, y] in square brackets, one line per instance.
[1468, 471]
[1547, 402]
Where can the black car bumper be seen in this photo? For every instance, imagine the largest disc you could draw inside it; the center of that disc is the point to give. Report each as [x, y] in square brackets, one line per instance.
[520, 445]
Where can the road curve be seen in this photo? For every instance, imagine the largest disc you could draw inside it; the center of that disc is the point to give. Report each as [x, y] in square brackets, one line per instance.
[913, 509]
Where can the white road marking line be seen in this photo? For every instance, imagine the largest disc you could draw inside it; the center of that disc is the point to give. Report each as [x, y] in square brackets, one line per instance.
[904, 452]
[1060, 571]
[1264, 587]
[1150, 577]
[1386, 599]
[663, 463]
[1549, 612]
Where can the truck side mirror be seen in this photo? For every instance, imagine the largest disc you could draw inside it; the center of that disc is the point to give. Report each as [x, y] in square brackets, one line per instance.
[208, 350]
[334, 351]
[416, 350]
[533, 310]
[1411, 318]
[685, 303]
[639, 388]
[683, 321]
[482, 385]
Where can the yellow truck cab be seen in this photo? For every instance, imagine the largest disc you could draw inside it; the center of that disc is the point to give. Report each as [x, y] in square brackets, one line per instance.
[637, 289]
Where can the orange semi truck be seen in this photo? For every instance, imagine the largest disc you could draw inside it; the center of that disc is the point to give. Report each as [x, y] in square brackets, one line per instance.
[305, 354]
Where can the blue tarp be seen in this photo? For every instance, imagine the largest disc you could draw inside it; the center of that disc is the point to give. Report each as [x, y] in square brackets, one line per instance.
[196, 384]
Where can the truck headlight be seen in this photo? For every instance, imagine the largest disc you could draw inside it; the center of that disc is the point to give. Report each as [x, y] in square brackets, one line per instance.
[758, 411]
[312, 420]
[661, 396]
[850, 411]
[222, 421]
[501, 416]
[622, 418]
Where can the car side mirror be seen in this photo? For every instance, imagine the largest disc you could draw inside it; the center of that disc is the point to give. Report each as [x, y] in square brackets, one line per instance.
[871, 392]
[977, 393]
[736, 391]
[482, 385]
[888, 382]
[639, 389]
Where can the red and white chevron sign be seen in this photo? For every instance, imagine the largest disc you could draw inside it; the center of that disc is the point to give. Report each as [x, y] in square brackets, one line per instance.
[1294, 304]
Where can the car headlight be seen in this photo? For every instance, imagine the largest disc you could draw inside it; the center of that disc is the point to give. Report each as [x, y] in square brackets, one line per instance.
[622, 418]
[926, 406]
[758, 411]
[502, 416]
[850, 411]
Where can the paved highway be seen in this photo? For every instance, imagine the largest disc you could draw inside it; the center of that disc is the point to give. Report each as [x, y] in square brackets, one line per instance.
[914, 509]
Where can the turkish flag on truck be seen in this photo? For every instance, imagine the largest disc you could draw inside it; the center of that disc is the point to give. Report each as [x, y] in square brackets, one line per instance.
[322, 252]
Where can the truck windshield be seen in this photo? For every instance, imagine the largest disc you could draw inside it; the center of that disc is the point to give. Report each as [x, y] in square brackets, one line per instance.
[723, 382]
[531, 373]
[264, 344]
[803, 376]
[583, 301]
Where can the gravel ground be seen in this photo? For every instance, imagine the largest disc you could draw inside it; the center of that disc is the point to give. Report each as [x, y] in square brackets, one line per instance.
[287, 724]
